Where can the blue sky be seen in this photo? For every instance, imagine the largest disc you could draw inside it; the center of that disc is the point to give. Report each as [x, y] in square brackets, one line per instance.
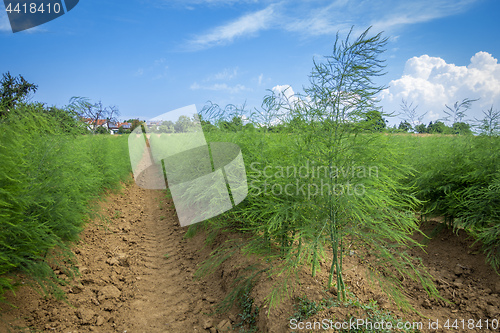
[148, 57]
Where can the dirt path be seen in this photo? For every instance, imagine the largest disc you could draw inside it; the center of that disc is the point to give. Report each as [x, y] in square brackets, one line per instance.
[137, 276]
[165, 291]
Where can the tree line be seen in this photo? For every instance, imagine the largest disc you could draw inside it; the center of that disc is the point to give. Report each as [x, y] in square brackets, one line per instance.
[80, 115]
[96, 118]
[454, 116]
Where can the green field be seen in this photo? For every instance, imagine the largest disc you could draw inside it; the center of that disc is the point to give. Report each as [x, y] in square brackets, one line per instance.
[324, 173]
[49, 179]
[304, 200]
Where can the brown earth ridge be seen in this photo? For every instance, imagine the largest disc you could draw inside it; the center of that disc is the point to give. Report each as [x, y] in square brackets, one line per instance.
[137, 275]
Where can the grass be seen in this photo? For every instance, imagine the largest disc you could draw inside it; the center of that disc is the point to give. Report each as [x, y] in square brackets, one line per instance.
[372, 317]
[248, 315]
[306, 308]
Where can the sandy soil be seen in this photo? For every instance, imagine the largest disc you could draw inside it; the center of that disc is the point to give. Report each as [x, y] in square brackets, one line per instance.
[137, 276]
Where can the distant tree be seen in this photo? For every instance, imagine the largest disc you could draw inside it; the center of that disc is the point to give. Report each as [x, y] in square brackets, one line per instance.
[249, 127]
[421, 128]
[392, 129]
[167, 127]
[95, 115]
[279, 128]
[183, 124]
[236, 124]
[101, 130]
[154, 129]
[404, 126]
[12, 91]
[135, 123]
[224, 125]
[122, 130]
[461, 128]
[230, 118]
[374, 121]
[112, 114]
[437, 128]
[84, 109]
[207, 126]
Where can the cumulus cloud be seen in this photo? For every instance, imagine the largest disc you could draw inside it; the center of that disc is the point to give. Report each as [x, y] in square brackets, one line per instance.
[288, 99]
[431, 83]
[285, 90]
[285, 94]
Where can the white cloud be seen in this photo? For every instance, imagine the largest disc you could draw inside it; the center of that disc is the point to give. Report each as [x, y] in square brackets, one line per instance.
[389, 15]
[431, 83]
[219, 87]
[433, 116]
[326, 20]
[261, 77]
[249, 24]
[226, 74]
[285, 93]
[307, 19]
[287, 97]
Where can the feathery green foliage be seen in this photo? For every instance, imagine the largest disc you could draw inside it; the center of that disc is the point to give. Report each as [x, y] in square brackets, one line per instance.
[327, 180]
[458, 177]
[48, 176]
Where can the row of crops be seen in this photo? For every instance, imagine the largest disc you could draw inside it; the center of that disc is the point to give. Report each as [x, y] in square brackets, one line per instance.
[304, 203]
[50, 175]
[330, 184]
[327, 185]
[458, 177]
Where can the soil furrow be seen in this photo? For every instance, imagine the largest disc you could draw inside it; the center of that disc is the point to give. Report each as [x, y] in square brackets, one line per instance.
[136, 275]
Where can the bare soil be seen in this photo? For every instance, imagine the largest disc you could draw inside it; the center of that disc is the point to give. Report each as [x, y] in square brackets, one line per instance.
[137, 275]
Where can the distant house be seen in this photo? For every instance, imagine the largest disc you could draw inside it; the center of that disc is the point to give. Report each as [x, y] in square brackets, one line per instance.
[93, 124]
[153, 124]
[112, 126]
[115, 126]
